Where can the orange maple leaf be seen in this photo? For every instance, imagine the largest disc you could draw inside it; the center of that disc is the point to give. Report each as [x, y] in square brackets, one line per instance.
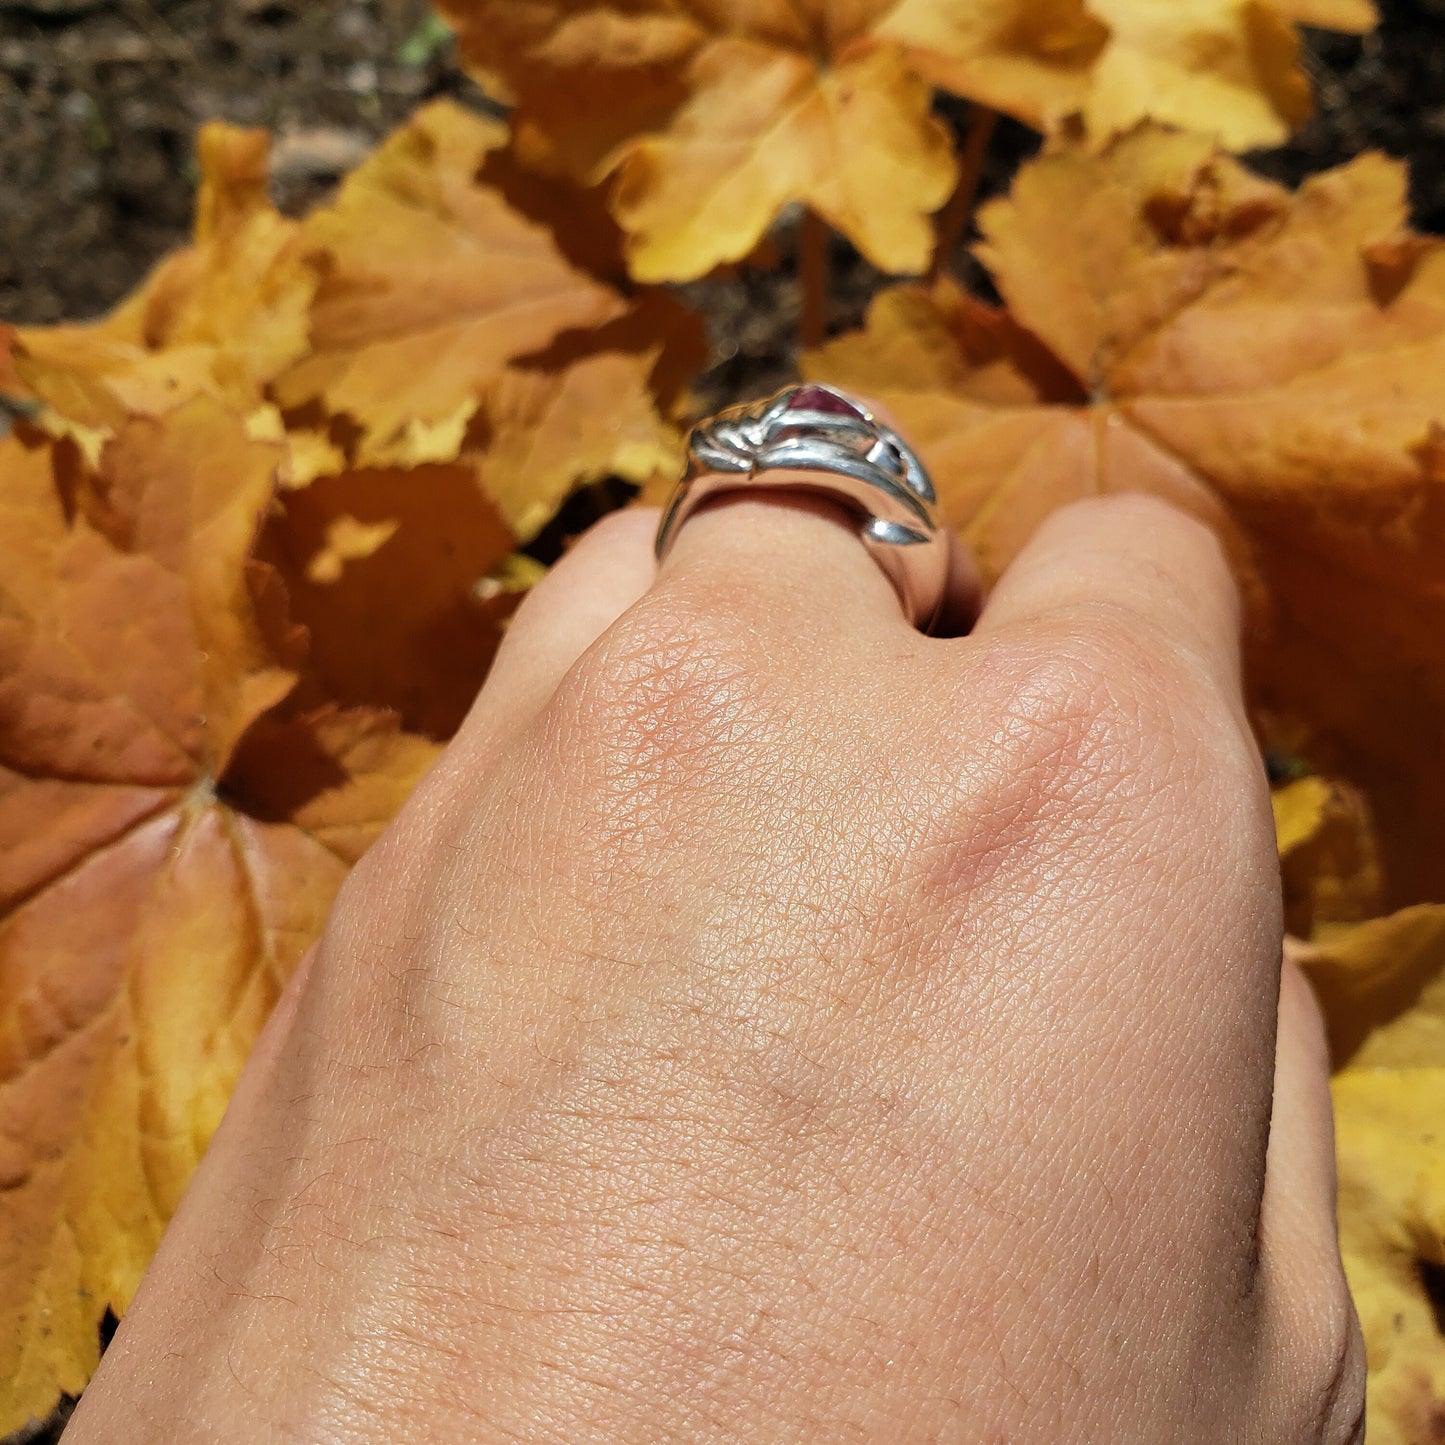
[458, 316]
[715, 115]
[1382, 984]
[1180, 326]
[431, 285]
[15, 394]
[1226, 68]
[1329, 857]
[166, 854]
[588, 408]
[381, 567]
[220, 317]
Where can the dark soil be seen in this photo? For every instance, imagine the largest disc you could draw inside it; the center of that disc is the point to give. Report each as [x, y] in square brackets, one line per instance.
[100, 101]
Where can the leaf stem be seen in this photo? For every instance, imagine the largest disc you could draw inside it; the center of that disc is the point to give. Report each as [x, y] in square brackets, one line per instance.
[813, 279]
[957, 212]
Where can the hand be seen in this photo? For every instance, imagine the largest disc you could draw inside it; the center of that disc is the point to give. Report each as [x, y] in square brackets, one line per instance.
[769, 1023]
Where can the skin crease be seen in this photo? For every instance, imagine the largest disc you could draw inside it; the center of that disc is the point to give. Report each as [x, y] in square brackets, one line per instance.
[769, 1023]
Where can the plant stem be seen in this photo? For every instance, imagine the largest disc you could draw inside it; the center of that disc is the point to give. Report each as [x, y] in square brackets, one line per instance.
[953, 219]
[813, 278]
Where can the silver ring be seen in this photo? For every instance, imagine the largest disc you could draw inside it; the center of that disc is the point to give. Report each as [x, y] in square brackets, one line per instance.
[858, 461]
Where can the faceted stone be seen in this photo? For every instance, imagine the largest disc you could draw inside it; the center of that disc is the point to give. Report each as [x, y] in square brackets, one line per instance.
[817, 398]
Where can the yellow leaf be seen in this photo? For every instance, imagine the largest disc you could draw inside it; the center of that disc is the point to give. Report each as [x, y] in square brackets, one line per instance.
[715, 116]
[1226, 68]
[1031, 60]
[244, 288]
[90, 383]
[1351, 16]
[308, 453]
[766, 128]
[719, 117]
[1269, 362]
[13, 390]
[382, 567]
[431, 285]
[551, 432]
[1299, 814]
[220, 318]
[1329, 860]
[1391, 1149]
[165, 858]
[1382, 986]
[512, 576]
[348, 539]
[587, 408]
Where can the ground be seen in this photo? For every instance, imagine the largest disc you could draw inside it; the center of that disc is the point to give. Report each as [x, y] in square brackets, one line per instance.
[100, 100]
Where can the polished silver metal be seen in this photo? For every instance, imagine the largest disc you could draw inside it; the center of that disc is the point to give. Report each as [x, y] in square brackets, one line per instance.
[855, 459]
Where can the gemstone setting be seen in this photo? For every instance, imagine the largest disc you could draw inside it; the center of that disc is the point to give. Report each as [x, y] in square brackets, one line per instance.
[823, 399]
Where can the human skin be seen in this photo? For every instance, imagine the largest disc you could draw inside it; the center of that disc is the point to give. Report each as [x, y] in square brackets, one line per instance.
[769, 1023]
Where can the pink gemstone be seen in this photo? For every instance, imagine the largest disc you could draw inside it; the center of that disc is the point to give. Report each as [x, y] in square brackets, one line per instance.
[817, 398]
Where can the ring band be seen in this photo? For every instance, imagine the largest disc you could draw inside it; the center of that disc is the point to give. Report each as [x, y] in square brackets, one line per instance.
[855, 459]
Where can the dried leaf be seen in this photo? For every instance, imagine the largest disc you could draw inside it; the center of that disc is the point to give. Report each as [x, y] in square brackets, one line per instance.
[431, 285]
[587, 408]
[766, 127]
[309, 451]
[382, 568]
[1329, 860]
[451, 292]
[716, 120]
[1382, 986]
[1353, 17]
[1391, 1151]
[714, 117]
[220, 318]
[1300, 810]
[577, 217]
[551, 432]
[153, 896]
[1216, 341]
[16, 397]
[1227, 68]
[244, 287]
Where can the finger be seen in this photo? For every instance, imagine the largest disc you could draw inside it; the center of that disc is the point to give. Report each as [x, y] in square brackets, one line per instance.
[1299, 1247]
[797, 557]
[796, 549]
[1162, 570]
[591, 586]
[794, 557]
[1297, 1215]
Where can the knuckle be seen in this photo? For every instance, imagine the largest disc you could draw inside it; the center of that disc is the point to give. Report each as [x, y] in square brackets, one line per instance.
[1136, 673]
[1087, 705]
[665, 701]
[1047, 745]
[1095, 735]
